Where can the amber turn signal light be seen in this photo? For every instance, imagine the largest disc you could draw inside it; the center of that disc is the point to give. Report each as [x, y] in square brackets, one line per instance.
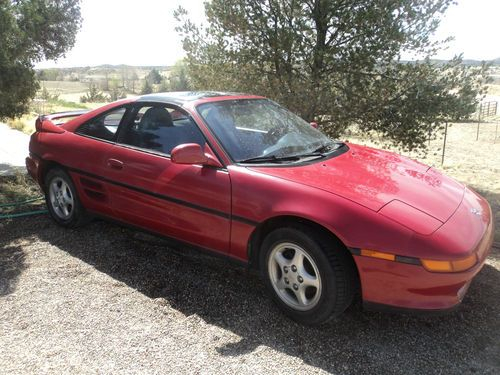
[429, 264]
[377, 254]
[449, 266]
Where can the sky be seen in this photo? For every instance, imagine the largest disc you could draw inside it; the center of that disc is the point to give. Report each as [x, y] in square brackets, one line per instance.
[143, 32]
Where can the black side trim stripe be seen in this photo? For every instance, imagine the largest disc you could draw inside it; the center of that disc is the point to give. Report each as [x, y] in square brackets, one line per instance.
[244, 220]
[168, 198]
[354, 250]
[408, 260]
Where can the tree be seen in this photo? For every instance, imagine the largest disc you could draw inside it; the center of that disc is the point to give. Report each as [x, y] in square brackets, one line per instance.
[164, 86]
[146, 88]
[94, 95]
[116, 91]
[336, 62]
[48, 74]
[47, 96]
[178, 79]
[105, 81]
[154, 77]
[30, 31]
[132, 77]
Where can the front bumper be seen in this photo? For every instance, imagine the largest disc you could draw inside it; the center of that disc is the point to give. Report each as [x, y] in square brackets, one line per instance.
[399, 286]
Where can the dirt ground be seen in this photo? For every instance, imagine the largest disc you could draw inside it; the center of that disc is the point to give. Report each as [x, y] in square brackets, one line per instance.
[104, 299]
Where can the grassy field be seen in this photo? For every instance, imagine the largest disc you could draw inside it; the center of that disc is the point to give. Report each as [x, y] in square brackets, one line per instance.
[64, 87]
[494, 90]
[69, 93]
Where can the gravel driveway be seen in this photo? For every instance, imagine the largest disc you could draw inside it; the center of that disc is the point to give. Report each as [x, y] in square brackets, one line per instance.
[103, 299]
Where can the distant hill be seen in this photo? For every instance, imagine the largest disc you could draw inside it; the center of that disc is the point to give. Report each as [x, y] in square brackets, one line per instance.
[478, 62]
[496, 61]
[469, 62]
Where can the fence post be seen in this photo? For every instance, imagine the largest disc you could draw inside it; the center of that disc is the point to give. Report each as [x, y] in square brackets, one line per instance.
[496, 132]
[444, 142]
[478, 122]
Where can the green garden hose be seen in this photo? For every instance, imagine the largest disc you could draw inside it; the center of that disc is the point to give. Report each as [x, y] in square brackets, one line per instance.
[21, 214]
[19, 203]
[29, 213]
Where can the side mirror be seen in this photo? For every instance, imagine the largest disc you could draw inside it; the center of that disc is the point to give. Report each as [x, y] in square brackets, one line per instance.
[191, 153]
[314, 125]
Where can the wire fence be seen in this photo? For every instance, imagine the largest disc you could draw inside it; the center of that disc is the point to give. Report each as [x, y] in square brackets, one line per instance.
[486, 113]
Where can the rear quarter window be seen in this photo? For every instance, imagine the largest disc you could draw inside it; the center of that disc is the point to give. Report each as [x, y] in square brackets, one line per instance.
[103, 127]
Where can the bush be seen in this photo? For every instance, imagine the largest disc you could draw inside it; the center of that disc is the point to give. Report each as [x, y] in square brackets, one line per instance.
[117, 93]
[46, 95]
[94, 95]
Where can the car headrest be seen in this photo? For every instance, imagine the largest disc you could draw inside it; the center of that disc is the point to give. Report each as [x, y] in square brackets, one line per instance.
[155, 118]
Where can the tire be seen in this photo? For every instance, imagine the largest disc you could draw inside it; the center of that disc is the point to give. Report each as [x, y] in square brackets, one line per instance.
[62, 199]
[308, 275]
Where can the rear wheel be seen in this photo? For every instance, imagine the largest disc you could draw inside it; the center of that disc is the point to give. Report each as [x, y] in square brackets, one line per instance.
[309, 278]
[62, 199]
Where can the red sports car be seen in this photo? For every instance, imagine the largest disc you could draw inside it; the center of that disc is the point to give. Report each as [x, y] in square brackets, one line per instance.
[241, 176]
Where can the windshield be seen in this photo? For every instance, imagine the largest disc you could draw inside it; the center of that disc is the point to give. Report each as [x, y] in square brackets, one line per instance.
[254, 130]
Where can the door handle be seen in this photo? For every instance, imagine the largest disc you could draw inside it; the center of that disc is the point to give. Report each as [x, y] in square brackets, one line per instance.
[115, 164]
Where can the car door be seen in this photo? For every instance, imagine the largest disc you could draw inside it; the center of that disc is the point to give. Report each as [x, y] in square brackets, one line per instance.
[188, 202]
[86, 161]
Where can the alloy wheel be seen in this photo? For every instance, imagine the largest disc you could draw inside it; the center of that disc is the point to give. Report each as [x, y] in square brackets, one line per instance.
[294, 276]
[61, 198]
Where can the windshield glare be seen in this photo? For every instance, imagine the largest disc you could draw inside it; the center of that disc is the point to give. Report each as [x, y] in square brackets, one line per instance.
[251, 128]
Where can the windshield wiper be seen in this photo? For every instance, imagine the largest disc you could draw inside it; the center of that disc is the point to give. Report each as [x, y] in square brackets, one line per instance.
[319, 152]
[309, 155]
[270, 159]
[322, 150]
[332, 146]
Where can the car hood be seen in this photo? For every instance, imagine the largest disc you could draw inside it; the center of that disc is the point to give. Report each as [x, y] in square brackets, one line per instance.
[373, 178]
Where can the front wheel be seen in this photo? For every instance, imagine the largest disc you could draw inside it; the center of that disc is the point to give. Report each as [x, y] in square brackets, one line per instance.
[309, 277]
[62, 199]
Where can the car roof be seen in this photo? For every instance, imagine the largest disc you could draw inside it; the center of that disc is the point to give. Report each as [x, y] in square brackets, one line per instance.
[182, 97]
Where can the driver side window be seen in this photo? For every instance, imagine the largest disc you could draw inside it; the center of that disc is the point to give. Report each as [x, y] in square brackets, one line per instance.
[160, 129]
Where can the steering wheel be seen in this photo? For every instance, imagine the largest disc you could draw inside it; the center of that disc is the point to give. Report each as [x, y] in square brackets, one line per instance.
[274, 134]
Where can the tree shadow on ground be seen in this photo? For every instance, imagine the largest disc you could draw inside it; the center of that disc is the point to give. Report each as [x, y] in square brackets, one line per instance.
[227, 296]
[12, 263]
